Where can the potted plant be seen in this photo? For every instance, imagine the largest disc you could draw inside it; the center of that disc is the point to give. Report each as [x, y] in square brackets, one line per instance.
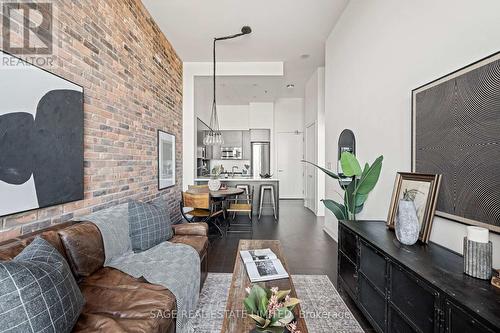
[355, 192]
[271, 309]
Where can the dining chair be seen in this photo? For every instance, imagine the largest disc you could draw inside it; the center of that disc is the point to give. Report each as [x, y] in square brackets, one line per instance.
[198, 207]
[198, 188]
[242, 204]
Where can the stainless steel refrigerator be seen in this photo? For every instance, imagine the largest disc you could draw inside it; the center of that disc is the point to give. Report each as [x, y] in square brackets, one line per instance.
[261, 158]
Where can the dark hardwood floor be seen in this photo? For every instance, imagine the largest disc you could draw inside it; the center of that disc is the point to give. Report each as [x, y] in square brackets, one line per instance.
[308, 249]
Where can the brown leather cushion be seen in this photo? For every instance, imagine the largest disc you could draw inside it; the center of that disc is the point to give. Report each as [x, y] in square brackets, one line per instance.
[200, 243]
[9, 250]
[117, 302]
[194, 229]
[84, 248]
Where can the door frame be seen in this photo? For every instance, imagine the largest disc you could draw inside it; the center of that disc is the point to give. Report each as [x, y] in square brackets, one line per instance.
[309, 127]
[302, 157]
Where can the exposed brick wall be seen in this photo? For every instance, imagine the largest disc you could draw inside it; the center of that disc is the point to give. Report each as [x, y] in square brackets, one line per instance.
[132, 81]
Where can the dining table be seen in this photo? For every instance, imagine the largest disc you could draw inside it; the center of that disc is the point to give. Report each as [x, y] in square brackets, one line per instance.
[227, 192]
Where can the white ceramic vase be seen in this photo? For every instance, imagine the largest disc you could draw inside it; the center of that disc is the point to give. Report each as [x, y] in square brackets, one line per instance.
[214, 184]
[407, 227]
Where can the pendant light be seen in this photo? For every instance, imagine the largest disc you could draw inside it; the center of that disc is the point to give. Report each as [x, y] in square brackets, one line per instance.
[214, 135]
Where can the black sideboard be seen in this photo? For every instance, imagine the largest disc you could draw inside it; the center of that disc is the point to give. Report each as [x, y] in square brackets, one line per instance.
[419, 288]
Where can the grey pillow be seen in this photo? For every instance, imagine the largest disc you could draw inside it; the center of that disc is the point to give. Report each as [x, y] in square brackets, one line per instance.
[38, 291]
[149, 225]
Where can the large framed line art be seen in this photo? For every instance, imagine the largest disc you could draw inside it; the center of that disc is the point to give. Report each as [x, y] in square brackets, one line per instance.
[41, 137]
[456, 133]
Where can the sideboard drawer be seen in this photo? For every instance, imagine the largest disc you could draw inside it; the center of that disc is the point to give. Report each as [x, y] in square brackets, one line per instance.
[349, 244]
[414, 299]
[347, 271]
[373, 303]
[372, 265]
[459, 321]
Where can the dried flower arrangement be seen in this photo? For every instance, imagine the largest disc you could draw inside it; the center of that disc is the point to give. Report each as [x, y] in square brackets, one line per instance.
[271, 309]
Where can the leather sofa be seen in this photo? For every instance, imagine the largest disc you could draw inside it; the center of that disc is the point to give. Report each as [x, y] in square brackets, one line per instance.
[114, 301]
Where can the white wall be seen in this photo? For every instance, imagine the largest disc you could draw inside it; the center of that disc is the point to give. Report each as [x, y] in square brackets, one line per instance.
[233, 117]
[377, 53]
[314, 113]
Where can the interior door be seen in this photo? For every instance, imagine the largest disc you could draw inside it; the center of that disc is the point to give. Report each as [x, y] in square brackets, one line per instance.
[310, 171]
[290, 167]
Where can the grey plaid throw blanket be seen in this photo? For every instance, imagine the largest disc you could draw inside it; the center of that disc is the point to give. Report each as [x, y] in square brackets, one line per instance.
[174, 266]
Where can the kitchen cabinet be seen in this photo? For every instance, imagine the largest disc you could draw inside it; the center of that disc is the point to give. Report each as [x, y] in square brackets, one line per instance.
[246, 145]
[232, 138]
[260, 135]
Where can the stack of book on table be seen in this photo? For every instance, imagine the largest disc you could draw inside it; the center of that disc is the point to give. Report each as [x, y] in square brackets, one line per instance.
[263, 265]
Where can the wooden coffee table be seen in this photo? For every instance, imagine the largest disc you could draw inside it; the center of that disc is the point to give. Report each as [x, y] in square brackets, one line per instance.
[234, 319]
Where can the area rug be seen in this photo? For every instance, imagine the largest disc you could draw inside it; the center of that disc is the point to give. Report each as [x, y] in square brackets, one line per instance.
[323, 308]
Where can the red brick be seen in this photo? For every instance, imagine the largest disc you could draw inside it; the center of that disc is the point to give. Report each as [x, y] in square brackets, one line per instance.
[128, 97]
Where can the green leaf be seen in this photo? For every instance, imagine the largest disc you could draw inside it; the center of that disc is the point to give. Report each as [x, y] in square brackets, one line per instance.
[282, 294]
[350, 165]
[261, 321]
[337, 209]
[358, 209]
[262, 301]
[328, 172]
[250, 305]
[369, 177]
[282, 317]
[349, 196]
[291, 302]
[270, 330]
[360, 199]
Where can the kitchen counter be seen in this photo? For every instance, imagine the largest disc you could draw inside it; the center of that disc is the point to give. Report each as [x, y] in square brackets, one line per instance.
[256, 182]
[239, 178]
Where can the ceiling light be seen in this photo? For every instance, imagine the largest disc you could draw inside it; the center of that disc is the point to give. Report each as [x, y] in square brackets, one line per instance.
[290, 86]
[214, 135]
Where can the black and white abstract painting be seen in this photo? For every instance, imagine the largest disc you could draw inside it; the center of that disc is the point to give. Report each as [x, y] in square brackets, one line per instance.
[41, 138]
[166, 160]
[456, 133]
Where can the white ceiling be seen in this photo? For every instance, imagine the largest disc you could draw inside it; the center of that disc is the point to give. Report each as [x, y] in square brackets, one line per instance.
[283, 30]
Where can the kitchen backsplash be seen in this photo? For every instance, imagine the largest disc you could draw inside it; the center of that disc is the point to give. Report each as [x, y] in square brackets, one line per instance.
[228, 164]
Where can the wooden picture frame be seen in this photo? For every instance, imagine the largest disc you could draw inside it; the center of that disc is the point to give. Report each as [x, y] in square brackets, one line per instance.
[428, 187]
[166, 160]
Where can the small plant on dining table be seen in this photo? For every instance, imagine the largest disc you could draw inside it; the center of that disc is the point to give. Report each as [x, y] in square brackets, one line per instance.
[271, 309]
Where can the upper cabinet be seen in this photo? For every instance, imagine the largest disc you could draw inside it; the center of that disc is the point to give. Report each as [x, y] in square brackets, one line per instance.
[260, 135]
[247, 147]
[232, 138]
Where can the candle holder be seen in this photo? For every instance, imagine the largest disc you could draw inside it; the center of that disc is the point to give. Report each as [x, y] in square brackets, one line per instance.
[478, 259]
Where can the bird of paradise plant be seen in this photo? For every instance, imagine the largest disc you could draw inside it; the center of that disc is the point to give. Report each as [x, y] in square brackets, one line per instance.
[356, 192]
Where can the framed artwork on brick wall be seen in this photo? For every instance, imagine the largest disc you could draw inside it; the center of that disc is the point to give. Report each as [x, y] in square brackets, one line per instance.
[41, 137]
[166, 160]
[456, 133]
